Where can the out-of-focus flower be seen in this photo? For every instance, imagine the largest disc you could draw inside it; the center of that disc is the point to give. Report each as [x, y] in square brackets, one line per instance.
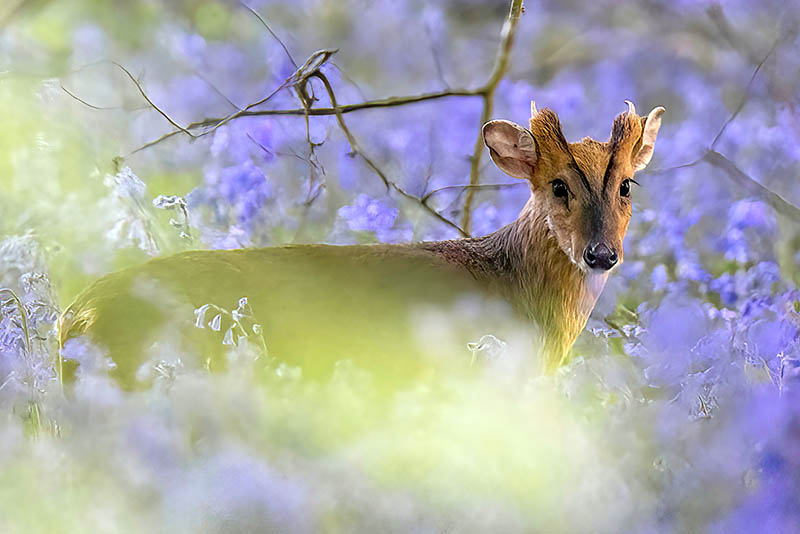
[367, 214]
[133, 226]
[89, 43]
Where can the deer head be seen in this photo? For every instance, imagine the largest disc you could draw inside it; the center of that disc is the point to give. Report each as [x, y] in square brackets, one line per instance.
[584, 188]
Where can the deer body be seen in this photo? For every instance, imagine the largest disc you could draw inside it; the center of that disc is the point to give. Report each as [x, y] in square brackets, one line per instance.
[549, 265]
[316, 305]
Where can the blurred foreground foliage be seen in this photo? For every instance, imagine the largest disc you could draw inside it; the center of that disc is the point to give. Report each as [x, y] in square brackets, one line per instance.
[679, 412]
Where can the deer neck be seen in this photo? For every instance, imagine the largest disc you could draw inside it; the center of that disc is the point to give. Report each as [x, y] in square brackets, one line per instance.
[524, 263]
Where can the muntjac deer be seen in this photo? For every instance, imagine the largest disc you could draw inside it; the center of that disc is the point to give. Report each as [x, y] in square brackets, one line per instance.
[338, 302]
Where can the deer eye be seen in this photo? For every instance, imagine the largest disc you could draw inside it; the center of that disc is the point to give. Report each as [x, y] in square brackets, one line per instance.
[560, 189]
[625, 189]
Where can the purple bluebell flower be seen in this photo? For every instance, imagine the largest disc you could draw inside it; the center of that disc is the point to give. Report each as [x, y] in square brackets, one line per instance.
[367, 214]
[659, 278]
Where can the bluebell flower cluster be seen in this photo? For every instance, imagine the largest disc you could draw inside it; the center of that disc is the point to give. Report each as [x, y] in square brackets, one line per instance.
[370, 215]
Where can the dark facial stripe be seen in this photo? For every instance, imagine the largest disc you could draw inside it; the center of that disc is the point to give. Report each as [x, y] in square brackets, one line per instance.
[607, 174]
[574, 164]
[584, 180]
[595, 220]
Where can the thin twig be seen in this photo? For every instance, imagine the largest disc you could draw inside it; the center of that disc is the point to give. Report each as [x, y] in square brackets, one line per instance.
[391, 101]
[264, 23]
[312, 64]
[96, 107]
[388, 183]
[350, 138]
[217, 90]
[711, 156]
[717, 16]
[437, 62]
[84, 102]
[478, 187]
[778, 203]
[753, 186]
[242, 112]
[260, 145]
[147, 98]
[349, 80]
[299, 80]
[291, 152]
[746, 95]
[313, 112]
[487, 93]
[678, 167]
[307, 103]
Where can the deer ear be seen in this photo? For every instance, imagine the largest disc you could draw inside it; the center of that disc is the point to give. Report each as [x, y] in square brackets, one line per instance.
[512, 148]
[652, 123]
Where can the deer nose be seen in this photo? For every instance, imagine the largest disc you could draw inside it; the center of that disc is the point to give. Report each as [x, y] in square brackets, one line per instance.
[599, 256]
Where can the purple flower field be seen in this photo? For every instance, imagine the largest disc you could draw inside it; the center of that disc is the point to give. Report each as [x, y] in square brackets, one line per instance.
[134, 130]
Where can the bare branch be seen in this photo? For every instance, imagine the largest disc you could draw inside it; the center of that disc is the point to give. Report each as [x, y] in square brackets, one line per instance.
[312, 156]
[388, 102]
[314, 112]
[264, 23]
[437, 61]
[349, 80]
[84, 102]
[241, 113]
[300, 81]
[350, 138]
[291, 153]
[217, 90]
[260, 145]
[388, 183]
[750, 184]
[677, 167]
[147, 98]
[154, 142]
[717, 16]
[101, 108]
[487, 92]
[478, 187]
[746, 95]
[297, 78]
[778, 203]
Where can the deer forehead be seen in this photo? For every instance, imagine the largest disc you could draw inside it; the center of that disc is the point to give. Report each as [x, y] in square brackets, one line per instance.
[598, 161]
[593, 158]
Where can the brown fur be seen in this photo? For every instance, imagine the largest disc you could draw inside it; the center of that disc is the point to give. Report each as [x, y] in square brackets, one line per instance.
[535, 263]
[522, 263]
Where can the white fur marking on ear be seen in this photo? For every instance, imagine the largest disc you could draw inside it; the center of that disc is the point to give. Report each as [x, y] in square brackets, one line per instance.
[651, 126]
[525, 144]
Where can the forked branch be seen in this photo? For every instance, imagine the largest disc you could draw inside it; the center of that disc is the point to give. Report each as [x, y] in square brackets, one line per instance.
[299, 80]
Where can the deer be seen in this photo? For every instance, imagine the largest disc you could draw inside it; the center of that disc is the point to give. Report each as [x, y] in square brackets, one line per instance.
[549, 266]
